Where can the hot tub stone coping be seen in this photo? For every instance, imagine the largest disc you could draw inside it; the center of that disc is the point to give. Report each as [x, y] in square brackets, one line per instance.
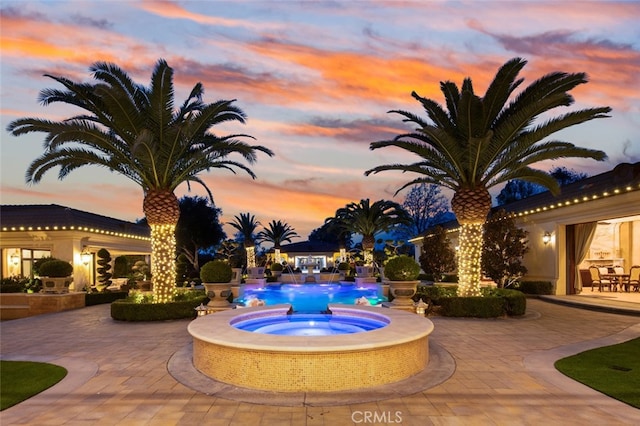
[403, 327]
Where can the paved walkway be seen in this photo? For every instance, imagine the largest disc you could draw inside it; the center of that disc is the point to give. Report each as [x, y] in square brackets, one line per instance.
[503, 375]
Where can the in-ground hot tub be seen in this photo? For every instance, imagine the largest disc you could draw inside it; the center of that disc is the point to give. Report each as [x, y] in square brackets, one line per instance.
[394, 351]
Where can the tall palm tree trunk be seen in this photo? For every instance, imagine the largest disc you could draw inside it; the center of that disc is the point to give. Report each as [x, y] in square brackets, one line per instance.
[471, 208]
[368, 244]
[162, 210]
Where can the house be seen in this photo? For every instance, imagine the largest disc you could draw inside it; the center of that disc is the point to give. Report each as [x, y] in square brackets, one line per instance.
[595, 221]
[29, 232]
[320, 254]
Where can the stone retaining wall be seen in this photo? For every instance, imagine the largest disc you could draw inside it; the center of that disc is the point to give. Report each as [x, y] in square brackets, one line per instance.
[22, 305]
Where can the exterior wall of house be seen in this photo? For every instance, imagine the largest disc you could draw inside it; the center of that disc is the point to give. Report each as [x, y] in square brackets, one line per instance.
[68, 245]
[548, 262]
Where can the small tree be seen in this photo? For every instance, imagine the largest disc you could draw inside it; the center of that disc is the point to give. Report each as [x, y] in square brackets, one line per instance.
[503, 250]
[437, 256]
[104, 266]
[120, 267]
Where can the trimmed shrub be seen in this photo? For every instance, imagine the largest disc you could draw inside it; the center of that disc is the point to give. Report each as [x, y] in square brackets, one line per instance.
[123, 310]
[343, 266]
[56, 268]
[452, 278]
[401, 268]
[92, 299]
[104, 266]
[494, 303]
[276, 267]
[535, 287]
[216, 271]
[434, 293]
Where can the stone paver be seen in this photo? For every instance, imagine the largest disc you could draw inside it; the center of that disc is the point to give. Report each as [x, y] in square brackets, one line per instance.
[118, 375]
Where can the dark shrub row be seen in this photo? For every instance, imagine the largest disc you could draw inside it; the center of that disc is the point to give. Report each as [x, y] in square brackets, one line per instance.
[494, 303]
[123, 310]
[535, 287]
[91, 299]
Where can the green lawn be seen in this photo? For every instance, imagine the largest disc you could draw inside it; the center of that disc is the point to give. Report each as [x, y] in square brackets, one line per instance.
[612, 370]
[20, 380]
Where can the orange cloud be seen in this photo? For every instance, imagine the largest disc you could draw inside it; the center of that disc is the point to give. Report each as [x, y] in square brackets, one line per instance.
[172, 10]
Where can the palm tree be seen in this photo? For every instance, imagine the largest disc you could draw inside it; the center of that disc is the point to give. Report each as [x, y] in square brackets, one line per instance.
[277, 233]
[246, 224]
[480, 142]
[369, 220]
[136, 131]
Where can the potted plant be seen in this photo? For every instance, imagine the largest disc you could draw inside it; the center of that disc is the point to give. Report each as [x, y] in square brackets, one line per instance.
[401, 272]
[56, 275]
[141, 275]
[343, 268]
[276, 269]
[216, 277]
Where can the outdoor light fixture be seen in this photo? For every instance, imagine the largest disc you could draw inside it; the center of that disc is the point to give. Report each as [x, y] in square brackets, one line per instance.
[85, 257]
[202, 310]
[546, 238]
[421, 307]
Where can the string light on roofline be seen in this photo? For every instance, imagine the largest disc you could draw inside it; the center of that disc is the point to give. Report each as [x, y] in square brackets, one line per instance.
[561, 203]
[23, 228]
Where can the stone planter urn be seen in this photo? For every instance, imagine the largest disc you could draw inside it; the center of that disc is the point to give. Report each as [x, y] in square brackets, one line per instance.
[216, 278]
[402, 292]
[236, 278]
[402, 273]
[218, 294]
[56, 285]
[364, 271]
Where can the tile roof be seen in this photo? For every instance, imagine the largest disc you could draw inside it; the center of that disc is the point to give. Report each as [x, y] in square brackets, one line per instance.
[310, 247]
[612, 182]
[53, 215]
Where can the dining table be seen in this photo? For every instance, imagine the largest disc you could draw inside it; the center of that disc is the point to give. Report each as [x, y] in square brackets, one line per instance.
[618, 280]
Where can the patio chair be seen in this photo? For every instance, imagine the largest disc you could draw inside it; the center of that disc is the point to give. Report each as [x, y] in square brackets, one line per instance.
[596, 278]
[634, 278]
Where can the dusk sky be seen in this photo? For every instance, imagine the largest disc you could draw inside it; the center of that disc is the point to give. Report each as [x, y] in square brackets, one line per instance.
[316, 80]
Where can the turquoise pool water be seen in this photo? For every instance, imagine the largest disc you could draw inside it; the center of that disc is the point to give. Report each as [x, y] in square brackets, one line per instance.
[312, 298]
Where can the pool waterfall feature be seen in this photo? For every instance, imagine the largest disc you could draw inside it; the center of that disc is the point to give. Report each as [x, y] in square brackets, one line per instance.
[397, 350]
[311, 297]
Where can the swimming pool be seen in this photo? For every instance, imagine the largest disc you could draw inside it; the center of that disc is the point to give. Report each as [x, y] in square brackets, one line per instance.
[311, 298]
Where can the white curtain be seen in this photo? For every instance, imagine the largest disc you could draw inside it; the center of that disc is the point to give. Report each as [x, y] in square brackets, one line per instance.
[584, 233]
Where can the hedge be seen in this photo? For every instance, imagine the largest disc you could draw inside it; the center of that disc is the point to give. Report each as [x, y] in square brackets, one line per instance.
[122, 310]
[535, 287]
[91, 299]
[493, 303]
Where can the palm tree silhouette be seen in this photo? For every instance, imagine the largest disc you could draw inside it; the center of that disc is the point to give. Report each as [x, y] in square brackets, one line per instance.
[277, 232]
[479, 142]
[137, 132]
[246, 224]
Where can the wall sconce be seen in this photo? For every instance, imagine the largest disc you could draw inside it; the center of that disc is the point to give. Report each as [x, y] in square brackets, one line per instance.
[546, 238]
[15, 259]
[85, 257]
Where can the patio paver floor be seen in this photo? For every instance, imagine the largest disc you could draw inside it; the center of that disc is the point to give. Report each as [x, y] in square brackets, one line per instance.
[119, 374]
